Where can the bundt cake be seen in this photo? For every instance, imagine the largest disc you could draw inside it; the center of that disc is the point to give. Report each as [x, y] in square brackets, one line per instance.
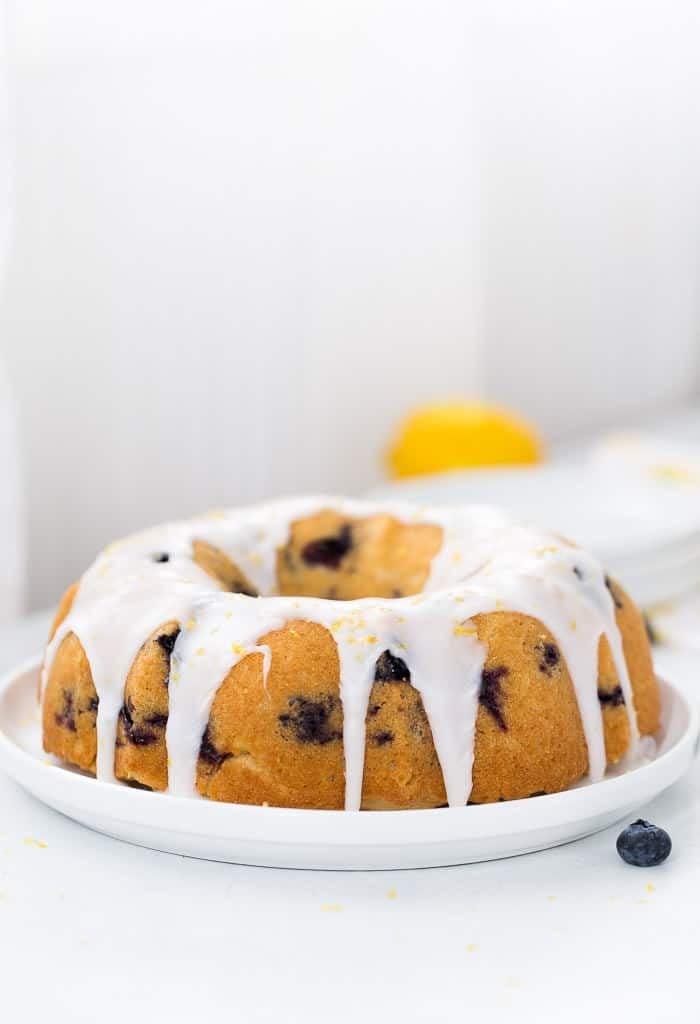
[324, 653]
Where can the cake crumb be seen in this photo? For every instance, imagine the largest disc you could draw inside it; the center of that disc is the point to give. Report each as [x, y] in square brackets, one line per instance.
[30, 841]
[331, 908]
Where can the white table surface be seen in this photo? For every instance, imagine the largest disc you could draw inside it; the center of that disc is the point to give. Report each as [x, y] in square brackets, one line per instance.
[95, 930]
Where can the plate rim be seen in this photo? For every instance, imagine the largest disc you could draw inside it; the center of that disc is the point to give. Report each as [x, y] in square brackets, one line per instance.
[300, 827]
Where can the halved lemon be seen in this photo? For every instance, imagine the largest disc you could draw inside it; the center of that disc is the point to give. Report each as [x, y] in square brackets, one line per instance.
[462, 435]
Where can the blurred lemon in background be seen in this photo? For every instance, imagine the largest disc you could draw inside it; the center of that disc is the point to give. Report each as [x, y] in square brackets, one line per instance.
[462, 435]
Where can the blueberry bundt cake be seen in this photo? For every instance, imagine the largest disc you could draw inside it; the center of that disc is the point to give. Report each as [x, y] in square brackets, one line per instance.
[326, 654]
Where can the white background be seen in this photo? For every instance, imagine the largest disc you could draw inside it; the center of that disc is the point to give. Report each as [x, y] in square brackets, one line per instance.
[249, 236]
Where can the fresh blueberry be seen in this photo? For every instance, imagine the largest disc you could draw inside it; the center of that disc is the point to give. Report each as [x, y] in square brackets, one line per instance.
[644, 845]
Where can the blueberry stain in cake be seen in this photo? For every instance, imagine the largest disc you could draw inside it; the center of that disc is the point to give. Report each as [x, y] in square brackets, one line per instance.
[136, 734]
[209, 752]
[310, 721]
[158, 720]
[66, 716]
[93, 704]
[549, 657]
[614, 698]
[167, 641]
[380, 739]
[328, 552]
[491, 694]
[390, 669]
[652, 634]
[613, 593]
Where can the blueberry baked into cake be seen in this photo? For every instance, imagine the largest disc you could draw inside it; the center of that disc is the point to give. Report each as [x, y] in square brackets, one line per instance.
[325, 653]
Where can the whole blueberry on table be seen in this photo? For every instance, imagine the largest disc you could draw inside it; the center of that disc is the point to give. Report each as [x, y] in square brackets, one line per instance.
[644, 845]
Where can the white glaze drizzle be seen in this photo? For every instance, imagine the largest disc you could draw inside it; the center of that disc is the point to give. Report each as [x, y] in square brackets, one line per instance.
[485, 563]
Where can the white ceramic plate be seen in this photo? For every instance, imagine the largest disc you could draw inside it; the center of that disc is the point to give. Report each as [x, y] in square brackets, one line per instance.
[279, 837]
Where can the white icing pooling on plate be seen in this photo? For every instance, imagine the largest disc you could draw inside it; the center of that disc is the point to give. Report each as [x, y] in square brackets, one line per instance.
[486, 563]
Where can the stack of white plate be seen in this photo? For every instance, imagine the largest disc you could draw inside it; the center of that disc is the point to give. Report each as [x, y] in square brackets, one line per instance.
[633, 501]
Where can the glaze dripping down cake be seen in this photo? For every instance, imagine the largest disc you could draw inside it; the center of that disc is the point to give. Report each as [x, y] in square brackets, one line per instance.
[325, 653]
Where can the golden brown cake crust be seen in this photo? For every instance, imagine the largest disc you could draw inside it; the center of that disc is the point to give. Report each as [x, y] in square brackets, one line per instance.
[70, 707]
[140, 755]
[221, 569]
[279, 740]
